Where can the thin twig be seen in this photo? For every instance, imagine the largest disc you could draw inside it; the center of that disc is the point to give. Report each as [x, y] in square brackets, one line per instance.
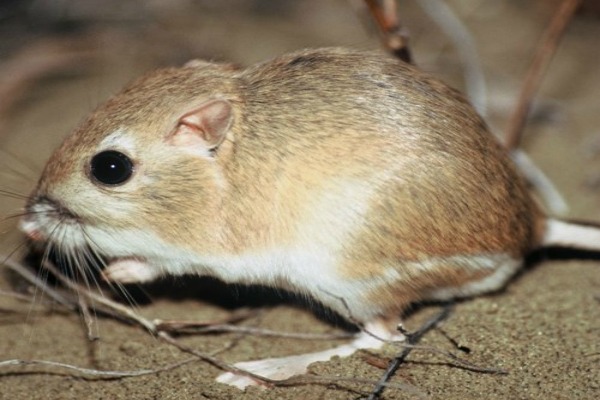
[393, 34]
[106, 374]
[16, 295]
[293, 381]
[541, 60]
[456, 361]
[95, 372]
[39, 283]
[411, 340]
[476, 90]
[123, 310]
[254, 331]
[87, 319]
[409, 345]
[210, 358]
[180, 326]
[110, 307]
[213, 360]
[454, 342]
[126, 312]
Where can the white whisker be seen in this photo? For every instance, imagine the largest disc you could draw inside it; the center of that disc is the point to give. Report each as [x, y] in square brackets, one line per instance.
[98, 261]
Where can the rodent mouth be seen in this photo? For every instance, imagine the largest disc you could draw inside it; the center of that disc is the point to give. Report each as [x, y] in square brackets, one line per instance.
[46, 220]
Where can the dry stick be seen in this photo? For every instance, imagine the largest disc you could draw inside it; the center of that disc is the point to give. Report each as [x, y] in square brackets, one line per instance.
[213, 360]
[130, 314]
[103, 374]
[225, 325]
[293, 381]
[453, 341]
[411, 340]
[16, 295]
[394, 37]
[228, 328]
[460, 363]
[157, 325]
[149, 325]
[181, 325]
[60, 298]
[114, 308]
[124, 311]
[87, 319]
[96, 372]
[39, 283]
[546, 50]
[411, 346]
[476, 89]
[210, 358]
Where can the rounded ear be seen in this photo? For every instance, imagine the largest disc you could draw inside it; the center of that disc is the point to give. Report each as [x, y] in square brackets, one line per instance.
[204, 128]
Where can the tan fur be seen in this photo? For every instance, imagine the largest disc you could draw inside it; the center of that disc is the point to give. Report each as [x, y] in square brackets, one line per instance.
[309, 130]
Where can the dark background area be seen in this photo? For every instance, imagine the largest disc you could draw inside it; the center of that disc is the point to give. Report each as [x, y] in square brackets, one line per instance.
[59, 59]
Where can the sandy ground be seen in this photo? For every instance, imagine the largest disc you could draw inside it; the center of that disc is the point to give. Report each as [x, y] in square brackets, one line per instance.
[544, 329]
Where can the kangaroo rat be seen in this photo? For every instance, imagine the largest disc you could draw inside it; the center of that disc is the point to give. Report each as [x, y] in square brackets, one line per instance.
[346, 176]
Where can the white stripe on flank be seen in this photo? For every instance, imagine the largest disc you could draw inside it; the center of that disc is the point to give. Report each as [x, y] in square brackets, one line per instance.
[567, 234]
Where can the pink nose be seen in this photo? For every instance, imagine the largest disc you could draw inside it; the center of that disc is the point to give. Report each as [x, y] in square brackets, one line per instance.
[35, 235]
[29, 229]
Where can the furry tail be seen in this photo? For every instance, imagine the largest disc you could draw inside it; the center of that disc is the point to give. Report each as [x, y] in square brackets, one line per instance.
[572, 234]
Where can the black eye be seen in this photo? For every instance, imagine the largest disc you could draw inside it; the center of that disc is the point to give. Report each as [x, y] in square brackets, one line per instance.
[111, 167]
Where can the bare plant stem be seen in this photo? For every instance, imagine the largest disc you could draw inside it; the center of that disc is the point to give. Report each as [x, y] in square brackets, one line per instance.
[539, 64]
[411, 340]
[155, 327]
[394, 35]
[95, 372]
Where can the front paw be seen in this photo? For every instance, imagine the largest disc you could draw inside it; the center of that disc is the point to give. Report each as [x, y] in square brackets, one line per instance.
[129, 270]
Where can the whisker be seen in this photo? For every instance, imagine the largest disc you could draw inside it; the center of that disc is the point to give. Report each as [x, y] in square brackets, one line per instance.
[14, 215]
[95, 253]
[15, 242]
[14, 195]
[96, 265]
[81, 265]
[20, 246]
[64, 254]
[49, 249]
[43, 272]
[37, 212]
[38, 280]
[77, 258]
[68, 266]
[32, 171]
[116, 286]
[24, 213]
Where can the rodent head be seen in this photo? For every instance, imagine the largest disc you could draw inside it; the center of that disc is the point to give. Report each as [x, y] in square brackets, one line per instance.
[144, 161]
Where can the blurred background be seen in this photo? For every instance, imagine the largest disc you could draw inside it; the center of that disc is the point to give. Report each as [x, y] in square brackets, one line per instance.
[60, 58]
